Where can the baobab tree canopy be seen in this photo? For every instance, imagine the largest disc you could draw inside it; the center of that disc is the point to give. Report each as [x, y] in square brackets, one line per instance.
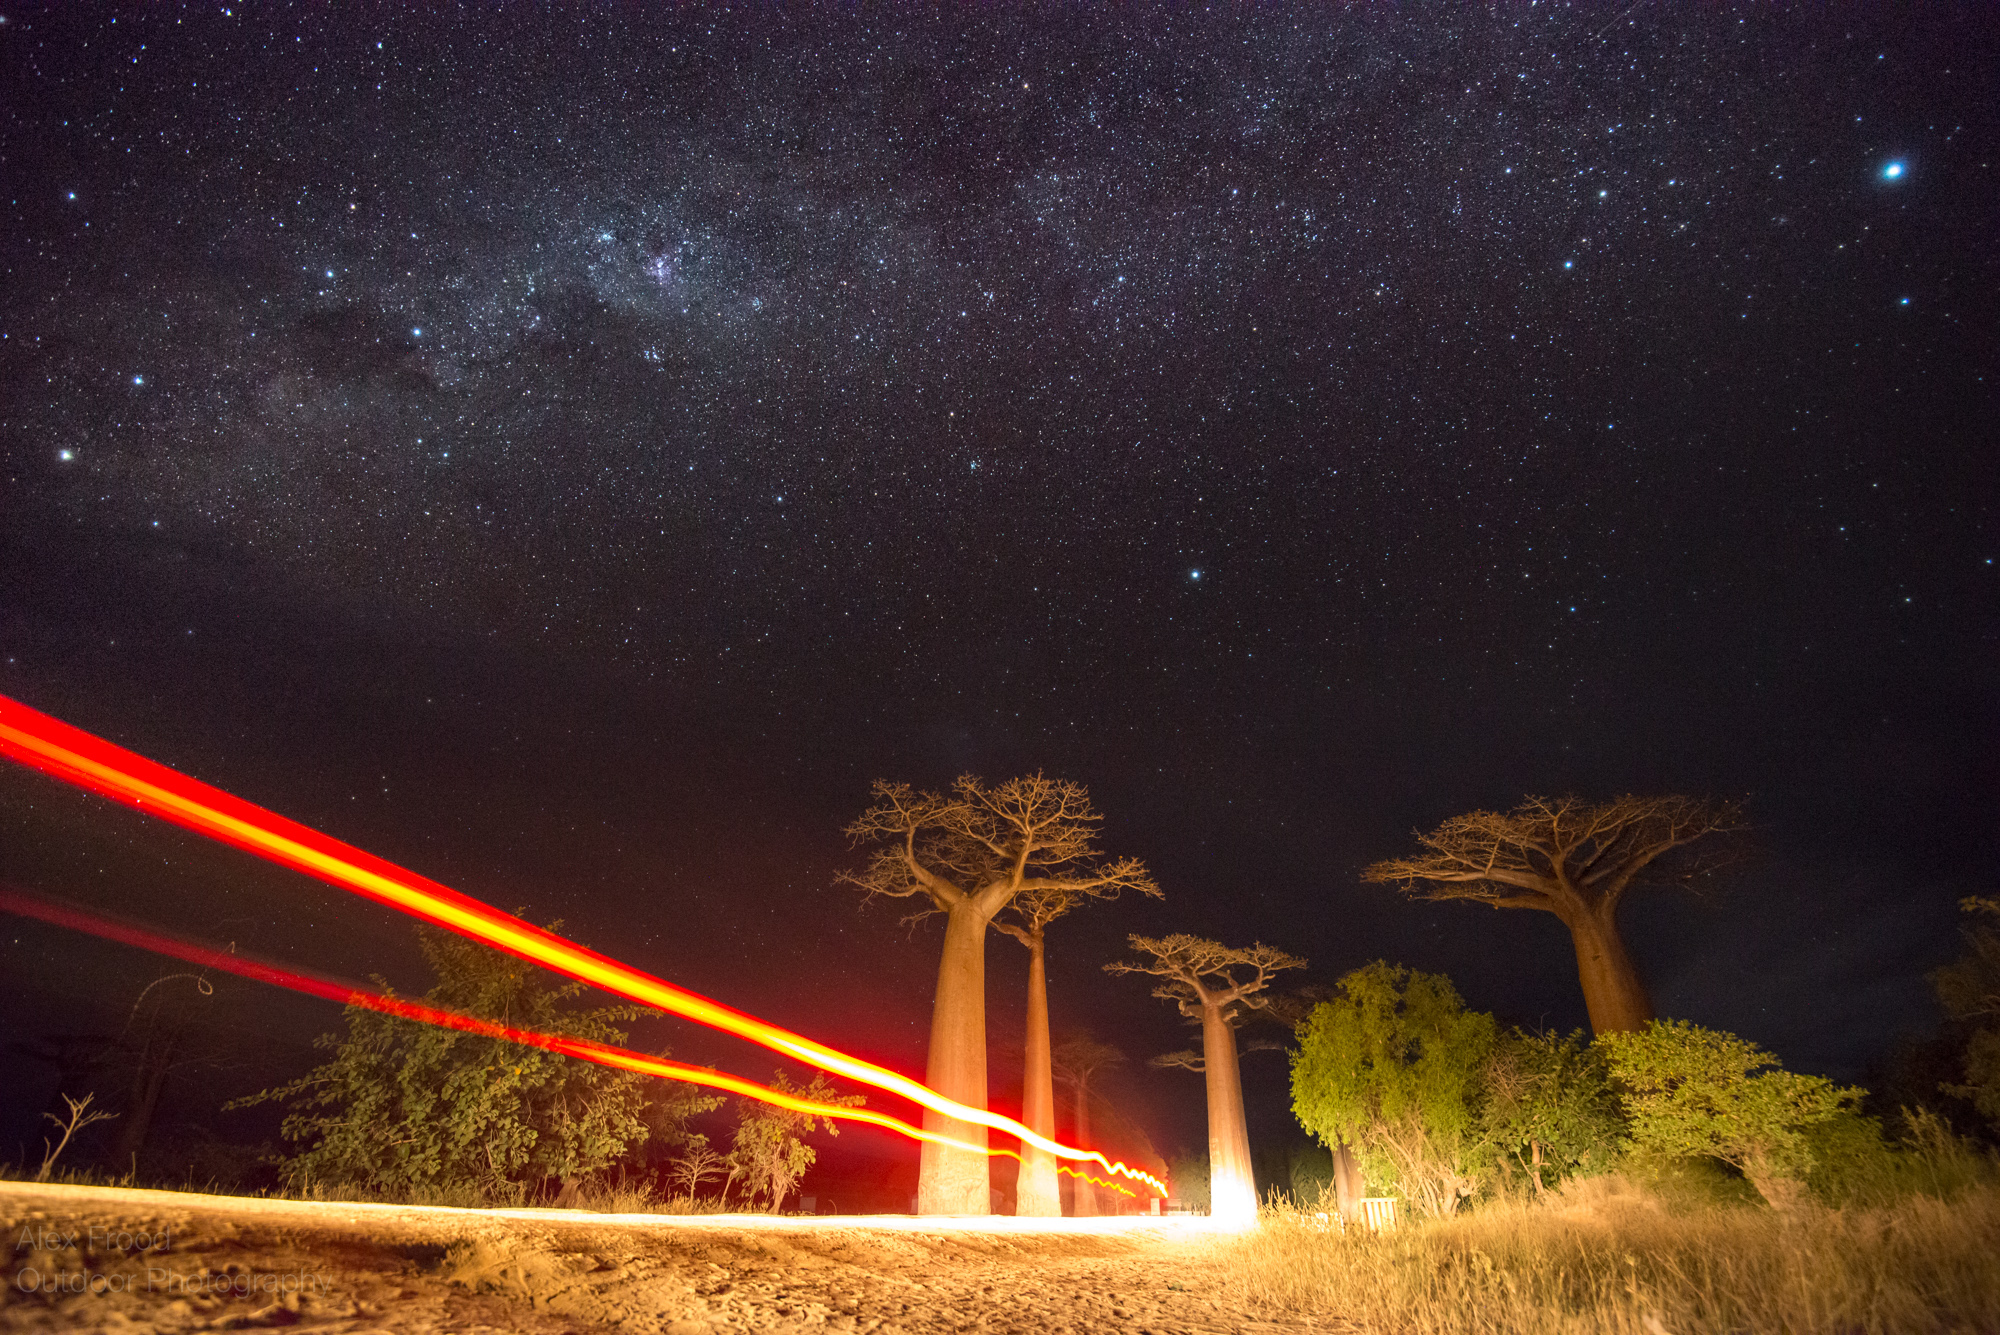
[967, 854]
[1575, 859]
[1199, 974]
[1216, 985]
[988, 841]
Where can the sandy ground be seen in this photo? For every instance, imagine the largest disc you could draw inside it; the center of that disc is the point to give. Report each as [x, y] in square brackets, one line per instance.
[101, 1258]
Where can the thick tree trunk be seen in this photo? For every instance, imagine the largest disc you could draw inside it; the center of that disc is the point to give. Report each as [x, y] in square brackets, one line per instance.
[1348, 1188]
[1083, 1200]
[1232, 1189]
[954, 1181]
[1611, 987]
[1038, 1193]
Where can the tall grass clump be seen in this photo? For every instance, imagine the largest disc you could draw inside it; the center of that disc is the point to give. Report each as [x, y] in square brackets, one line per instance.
[1610, 1258]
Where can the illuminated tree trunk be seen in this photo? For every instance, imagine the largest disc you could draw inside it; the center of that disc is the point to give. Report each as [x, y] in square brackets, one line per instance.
[954, 1181]
[1083, 1203]
[1612, 988]
[1232, 1190]
[1348, 1187]
[1037, 1193]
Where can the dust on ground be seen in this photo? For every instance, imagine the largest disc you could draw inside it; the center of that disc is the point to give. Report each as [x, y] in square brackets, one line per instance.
[137, 1262]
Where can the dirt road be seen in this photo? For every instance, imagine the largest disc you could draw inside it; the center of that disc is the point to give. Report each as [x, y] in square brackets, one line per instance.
[99, 1258]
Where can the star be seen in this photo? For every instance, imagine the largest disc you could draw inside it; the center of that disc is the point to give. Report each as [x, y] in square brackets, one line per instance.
[1892, 172]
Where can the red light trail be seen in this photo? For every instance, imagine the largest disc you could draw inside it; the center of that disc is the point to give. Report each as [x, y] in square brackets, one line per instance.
[604, 1054]
[55, 748]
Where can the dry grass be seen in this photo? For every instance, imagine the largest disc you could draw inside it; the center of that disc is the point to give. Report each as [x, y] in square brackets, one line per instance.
[1612, 1259]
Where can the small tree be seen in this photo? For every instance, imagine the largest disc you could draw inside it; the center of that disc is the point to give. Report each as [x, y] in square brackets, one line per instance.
[1549, 1107]
[406, 1108]
[1037, 1192]
[967, 854]
[1392, 1066]
[1573, 859]
[697, 1164]
[81, 1115]
[1076, 1061]
[769, 1153]
[1217, 986]
[1695, 1091]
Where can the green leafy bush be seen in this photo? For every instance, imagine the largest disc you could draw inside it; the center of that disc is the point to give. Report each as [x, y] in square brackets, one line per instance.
[1696, 1091]
[769, 1154]
[1393, 1066]
[406, 1110]
[1549, 1110]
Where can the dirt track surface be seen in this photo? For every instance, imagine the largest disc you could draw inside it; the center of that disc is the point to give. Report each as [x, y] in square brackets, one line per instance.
[100, 1258]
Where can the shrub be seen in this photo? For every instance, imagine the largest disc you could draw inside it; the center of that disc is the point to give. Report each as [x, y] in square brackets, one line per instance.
[1549, 1108]
[1696, 1091]
[410, 1111]
[1393, 1065]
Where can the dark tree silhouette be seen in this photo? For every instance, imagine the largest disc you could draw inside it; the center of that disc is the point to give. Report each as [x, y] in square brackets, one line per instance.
[1076, 1060]
[967, 854]
[1577, 860]
[155, 1038]
[1217, 985]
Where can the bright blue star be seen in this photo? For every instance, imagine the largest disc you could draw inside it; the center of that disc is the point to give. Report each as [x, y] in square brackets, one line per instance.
[1892, 172]
[1194, 574]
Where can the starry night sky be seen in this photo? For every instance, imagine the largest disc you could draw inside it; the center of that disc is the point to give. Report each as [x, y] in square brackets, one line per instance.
[574, 451]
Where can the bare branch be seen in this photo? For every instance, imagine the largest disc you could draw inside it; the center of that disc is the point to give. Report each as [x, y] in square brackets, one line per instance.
[1562, 855]
[990, 843]
[1187, 1060]
[1203, 975]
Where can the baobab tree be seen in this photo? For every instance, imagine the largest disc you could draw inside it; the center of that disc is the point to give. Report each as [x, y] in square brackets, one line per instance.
[1037, 1192]
[1574, 859]
[1217, 985]
[1076, 1060]
[967, 854]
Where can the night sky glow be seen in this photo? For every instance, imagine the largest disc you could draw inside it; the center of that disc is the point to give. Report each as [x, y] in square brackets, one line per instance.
[571, 453]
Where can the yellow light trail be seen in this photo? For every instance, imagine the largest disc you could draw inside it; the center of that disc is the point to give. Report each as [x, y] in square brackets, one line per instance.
[604, 1054]
[56, 748]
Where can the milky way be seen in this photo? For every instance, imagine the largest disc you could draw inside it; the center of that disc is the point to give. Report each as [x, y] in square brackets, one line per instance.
[1358, 415]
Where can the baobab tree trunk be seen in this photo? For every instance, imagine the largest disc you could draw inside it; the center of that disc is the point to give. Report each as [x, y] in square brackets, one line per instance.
[1232, 1190]
[1348, 1187]
[147, 1083]
[1083, 1203]
[1037, 1192]
[954, 1181]
[1611, 986]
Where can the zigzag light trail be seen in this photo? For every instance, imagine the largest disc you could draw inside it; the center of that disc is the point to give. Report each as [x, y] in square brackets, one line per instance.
[604, 1054]
[57, 749]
